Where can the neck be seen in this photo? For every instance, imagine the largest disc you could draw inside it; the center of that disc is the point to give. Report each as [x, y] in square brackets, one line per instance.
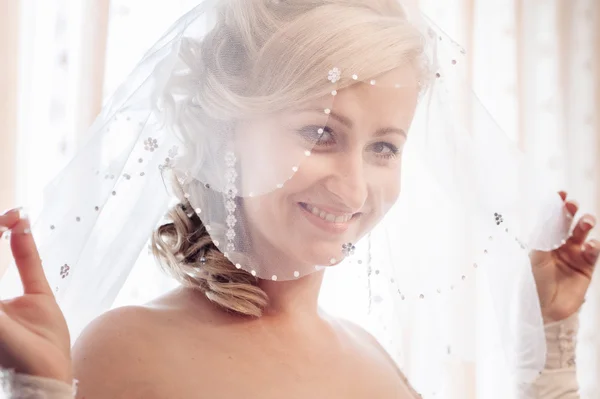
[293, 298]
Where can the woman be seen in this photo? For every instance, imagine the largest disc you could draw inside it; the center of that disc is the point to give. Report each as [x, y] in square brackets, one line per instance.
[290, 157]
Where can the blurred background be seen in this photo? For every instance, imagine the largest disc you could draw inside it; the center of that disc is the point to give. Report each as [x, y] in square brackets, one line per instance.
[534, 63]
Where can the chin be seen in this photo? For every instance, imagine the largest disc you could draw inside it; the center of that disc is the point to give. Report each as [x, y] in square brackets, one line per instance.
[326, 255]
[314, 252]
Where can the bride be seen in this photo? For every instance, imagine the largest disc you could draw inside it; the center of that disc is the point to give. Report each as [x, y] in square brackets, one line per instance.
[291, 118]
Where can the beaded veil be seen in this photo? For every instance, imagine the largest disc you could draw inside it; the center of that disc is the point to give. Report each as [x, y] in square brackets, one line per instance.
[302, 146]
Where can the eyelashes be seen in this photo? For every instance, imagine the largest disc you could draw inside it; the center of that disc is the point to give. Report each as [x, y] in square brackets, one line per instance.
[386, 150]
[318, 135]
[324, 137]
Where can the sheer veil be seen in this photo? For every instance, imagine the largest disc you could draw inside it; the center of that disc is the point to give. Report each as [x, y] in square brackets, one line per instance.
[219, 106]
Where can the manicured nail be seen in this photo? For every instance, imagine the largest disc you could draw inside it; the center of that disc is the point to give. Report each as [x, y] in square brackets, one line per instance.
[24, 228]
[573, 203]
[6, 212]
[3, 229]
[588, 222]
[21, 232]
[24, 214]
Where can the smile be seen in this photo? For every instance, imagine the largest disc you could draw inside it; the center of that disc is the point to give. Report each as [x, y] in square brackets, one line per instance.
[327, 216]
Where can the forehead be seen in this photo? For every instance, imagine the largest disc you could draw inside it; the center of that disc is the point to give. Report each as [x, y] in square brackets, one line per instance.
[389, 98]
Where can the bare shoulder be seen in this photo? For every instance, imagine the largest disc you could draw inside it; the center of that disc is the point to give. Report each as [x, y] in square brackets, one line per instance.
[116, 355]
[129, 352]
[363, 336]
[370, 341]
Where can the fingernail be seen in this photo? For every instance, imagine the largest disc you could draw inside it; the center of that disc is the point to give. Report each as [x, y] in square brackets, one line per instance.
[13, 210]
[588, 222]
[21, 232]
[3, 229]
[23, 228]
[24, 213]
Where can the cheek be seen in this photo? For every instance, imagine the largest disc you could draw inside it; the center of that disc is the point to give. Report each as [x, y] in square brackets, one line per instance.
[269, 213]
[274, 203]
[385, 190]
[267, 161]
[261, 212]
[261, 172]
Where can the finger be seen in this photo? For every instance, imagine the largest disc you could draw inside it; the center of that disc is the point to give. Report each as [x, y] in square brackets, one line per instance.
[572, 207]
[563, 195]
[28, 260]
[8, 219]
[582, 229]
[591, 251]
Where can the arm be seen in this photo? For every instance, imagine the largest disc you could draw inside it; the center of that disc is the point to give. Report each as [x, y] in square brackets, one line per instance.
[24, 386]
[563, 277]
[35, 356]
[559, 378]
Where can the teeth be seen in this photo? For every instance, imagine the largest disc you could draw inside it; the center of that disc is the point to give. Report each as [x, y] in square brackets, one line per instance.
[341, 219]
[328, 217]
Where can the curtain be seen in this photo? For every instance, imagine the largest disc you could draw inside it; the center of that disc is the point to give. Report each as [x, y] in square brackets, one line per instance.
[9, 12]
[535, 64]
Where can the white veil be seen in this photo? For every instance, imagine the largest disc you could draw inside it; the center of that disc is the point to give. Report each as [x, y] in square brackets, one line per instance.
[471, 205]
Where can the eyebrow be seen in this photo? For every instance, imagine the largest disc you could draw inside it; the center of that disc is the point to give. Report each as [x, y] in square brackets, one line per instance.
[348, 123]
[388, 130]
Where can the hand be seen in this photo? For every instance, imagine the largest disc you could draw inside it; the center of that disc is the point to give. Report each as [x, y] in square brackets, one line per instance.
[34, 338]
[563, 275]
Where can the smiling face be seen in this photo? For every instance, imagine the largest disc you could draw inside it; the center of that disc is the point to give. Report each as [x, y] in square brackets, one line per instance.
[344, 158]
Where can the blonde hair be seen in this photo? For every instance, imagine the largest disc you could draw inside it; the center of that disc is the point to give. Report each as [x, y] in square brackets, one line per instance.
[264, 55]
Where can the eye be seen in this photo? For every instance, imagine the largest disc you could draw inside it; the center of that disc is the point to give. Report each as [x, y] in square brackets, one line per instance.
[385, 150]
[318, 135]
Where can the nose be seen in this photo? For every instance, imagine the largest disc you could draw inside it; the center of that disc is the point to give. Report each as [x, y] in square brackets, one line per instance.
[347, 181]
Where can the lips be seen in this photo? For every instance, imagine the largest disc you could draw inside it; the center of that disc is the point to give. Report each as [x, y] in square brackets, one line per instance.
[327, 216]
